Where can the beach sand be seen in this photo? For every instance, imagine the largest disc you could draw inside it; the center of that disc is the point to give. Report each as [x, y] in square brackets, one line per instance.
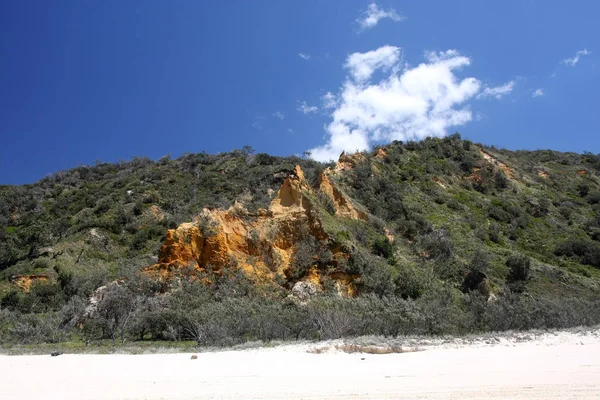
[559, 365]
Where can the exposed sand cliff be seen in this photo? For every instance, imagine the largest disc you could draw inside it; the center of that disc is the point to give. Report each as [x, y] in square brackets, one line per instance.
[260, 244]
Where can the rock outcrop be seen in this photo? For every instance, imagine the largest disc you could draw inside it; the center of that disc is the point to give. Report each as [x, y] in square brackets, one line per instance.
[381, 154]
[343, 204]
[260, 244]
[347, 161]
[304, 290]
[494, 161]
[25, 281]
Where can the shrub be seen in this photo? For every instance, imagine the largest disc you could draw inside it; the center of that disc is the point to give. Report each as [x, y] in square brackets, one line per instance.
[138, 208]
[594, 198]
[583, 189]
[499, 214]
[327, 203]
[116, 310]
[409, 283]
[139, 240]
[476, 273]
[494, 232]
[518, 272]
[437, 312]
[587, 252]
[500, 180]
[377, 278]
[514, 312]
[10, 300]
[538, 207]
[206, 225]
[518, 268]
[383, 247]
[36, 328]
[437, 245]
[44, 296]
[333, 318]
[308, 252]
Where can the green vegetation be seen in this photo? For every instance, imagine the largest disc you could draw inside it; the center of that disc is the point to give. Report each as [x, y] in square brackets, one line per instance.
[511, 243]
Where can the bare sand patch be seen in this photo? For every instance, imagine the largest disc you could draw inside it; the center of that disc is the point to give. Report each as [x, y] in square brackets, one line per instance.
[556, 365]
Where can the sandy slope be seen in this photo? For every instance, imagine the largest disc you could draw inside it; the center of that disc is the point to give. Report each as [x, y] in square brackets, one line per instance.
[554, 366]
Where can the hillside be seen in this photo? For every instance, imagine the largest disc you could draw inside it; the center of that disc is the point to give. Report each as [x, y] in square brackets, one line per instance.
[437, 236]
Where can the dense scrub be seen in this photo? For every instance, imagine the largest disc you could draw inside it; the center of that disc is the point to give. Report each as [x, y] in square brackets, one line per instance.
[483, 239]
[233, 310]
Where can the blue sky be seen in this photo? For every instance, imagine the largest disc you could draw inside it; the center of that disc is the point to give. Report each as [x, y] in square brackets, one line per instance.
[82, 81]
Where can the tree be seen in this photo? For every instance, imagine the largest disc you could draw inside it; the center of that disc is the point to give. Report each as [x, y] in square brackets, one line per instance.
[248, 150]
[518, 272]
[34, 237]
[476, 273]
[116, 310]
[382, 246]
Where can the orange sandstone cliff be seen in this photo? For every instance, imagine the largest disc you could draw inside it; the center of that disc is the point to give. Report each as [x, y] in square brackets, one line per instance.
[260, 244]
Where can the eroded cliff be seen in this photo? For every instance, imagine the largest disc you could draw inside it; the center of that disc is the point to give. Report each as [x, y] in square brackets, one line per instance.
[262, 245]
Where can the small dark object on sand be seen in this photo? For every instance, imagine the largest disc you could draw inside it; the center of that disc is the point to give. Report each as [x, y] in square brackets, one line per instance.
[55, 353]
[194, 357]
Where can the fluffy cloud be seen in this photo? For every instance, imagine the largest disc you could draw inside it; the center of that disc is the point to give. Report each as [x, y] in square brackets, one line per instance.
[573, 61]
[329, 100]
[279, 114]
[304, 56]
[362, 65]
[373, 14]
[497, 92]
[306, 109]
[538, 93]
[410, 103]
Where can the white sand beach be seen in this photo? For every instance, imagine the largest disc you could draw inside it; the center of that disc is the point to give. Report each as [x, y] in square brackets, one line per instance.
[560, 365]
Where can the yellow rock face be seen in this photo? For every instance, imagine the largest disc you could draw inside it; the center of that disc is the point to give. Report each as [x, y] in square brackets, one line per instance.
[347, 161]
[260, 244]
[343, 205]
[494, 161]
[25, 281]
[381, 154]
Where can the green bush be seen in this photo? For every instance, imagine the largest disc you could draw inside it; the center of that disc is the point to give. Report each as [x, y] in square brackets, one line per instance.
[409, 283]
[476, 274]
[437, 245]
[586, 252]
[594, 198]
[383, 247]
[518, 268]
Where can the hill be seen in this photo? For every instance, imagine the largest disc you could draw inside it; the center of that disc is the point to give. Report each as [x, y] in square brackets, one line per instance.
[437, 236]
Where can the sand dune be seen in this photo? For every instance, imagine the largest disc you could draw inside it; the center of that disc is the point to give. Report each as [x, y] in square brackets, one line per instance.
[554, 366]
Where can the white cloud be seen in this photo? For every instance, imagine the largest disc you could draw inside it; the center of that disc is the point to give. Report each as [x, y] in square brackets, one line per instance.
[573, 61]
[279, 114]
[498, 92]
[290, 130]
[258, 121]
[373, 14]
[306, 109]
[362, 65]
[538, 93]
[304, 56]
[329, 100]
[410, 103]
